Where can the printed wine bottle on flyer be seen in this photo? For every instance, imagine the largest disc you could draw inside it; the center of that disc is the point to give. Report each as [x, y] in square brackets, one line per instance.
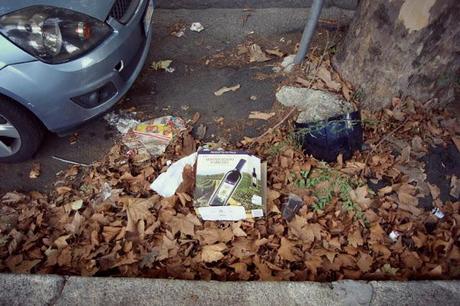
[227, 186]
[254, 177]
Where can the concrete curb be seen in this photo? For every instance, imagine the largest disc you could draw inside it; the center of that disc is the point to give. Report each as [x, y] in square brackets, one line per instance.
[26, 289]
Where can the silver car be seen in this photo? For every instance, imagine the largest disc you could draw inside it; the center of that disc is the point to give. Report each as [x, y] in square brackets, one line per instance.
[63, 63]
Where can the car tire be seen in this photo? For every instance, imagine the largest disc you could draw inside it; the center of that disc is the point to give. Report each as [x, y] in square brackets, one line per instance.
[28, 129]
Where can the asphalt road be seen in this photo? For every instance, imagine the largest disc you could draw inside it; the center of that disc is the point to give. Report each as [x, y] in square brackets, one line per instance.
[187, 90]
[204, 4]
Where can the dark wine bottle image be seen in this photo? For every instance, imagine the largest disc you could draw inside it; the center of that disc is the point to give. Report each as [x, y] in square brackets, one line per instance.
[227, 186]
[254, 177]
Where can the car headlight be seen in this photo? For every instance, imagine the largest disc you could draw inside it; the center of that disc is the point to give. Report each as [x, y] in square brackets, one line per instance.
[53, 35]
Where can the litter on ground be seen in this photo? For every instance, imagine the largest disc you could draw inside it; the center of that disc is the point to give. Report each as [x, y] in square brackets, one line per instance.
[196, 27]
[225, 89]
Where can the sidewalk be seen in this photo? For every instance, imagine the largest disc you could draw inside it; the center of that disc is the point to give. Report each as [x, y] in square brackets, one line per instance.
[57, 290]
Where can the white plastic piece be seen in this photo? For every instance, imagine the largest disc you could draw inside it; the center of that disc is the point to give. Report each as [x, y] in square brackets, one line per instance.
[167, 183]
[394, 235]
[438, 213]
[196, 27]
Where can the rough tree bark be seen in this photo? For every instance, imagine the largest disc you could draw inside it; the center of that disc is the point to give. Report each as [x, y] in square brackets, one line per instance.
[403, 48]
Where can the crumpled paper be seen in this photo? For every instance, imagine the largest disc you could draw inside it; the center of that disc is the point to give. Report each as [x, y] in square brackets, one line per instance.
[167, 183]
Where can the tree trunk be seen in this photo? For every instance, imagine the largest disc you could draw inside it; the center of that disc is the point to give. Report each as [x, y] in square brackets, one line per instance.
[399, 48]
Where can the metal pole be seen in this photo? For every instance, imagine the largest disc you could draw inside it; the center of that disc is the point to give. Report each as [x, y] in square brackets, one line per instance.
[309, 30]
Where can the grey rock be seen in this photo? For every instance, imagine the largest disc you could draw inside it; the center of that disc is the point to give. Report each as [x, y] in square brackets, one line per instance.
[288, 63]
[315, 105]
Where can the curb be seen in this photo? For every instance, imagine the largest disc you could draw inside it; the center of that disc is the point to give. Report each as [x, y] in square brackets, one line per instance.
[27, 289]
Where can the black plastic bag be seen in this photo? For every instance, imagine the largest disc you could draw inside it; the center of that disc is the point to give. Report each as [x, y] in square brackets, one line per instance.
[325, 140]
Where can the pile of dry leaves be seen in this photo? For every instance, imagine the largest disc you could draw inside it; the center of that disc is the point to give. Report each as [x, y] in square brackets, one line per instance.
[104, 220]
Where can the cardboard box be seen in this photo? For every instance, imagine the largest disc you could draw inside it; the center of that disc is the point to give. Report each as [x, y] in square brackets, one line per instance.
[229, 186]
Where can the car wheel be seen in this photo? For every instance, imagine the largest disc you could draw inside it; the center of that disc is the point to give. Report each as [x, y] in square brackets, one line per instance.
[20, 132]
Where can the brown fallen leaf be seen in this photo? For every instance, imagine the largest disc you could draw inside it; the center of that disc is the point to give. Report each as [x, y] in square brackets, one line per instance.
[385, 190]
[211, 253]
[275, 52]
[355, 239]
[136, 209]
[325, 76]
[26, 266]
[35, 171]
[346, 92]
[359, 196]
[405, 195]
[434, 190]
[365, 262]
[260, 115]
[303, 82]
[184, 224]
[256, 54]
[455, 187]
[61, 242]
[287, 249]
[242, 269]
[225, 89]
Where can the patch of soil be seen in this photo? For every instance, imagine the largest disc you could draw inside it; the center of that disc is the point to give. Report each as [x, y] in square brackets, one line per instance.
[441, 164]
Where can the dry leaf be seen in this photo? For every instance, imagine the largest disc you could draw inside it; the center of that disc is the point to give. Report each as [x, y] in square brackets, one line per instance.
[325, 76]
[365, 262]
[260, 115]
[211, 253]
[355, 239]
[224, 89]
[61, 242]
[455, 187]
[346, 92]
[434, 190]
[161, 65]
[287, 249]
[303, 82]
[136, 209]
[35, 171]
[256, 54]
[359, 196]
[275, 52]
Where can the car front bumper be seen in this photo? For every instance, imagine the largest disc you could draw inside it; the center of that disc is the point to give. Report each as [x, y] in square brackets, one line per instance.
[47, 90]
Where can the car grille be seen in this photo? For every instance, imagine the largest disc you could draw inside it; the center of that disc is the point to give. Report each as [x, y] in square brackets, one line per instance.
[122, 10]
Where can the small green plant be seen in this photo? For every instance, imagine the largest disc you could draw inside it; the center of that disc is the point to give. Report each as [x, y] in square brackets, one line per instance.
[358, 95]
[289, 141]
[339, 184]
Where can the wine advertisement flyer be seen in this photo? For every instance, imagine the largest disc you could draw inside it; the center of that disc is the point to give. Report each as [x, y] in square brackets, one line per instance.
[229, 186]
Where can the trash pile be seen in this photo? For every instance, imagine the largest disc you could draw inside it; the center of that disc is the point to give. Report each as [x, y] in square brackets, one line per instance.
[354, 219]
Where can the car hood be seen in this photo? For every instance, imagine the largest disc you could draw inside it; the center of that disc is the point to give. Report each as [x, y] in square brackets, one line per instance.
[96, 8]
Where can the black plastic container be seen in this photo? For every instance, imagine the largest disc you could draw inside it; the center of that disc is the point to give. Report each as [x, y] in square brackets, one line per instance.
[325, 140]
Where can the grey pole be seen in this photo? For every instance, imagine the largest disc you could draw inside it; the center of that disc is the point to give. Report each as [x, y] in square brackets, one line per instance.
[309, 30]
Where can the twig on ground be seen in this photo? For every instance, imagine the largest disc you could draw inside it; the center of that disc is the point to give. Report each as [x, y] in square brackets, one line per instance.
[382, 140]
[70, 161]
[276, 125]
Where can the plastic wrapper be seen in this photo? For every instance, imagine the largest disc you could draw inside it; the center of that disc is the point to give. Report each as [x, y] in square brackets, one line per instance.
[154, 135]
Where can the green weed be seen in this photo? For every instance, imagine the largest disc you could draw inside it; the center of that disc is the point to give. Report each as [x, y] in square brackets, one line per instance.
[339, 185]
